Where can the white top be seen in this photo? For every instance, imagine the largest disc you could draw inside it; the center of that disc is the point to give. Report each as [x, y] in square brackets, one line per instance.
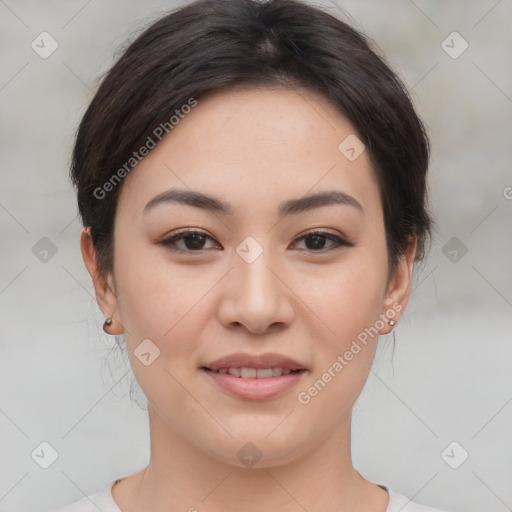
[104, 501]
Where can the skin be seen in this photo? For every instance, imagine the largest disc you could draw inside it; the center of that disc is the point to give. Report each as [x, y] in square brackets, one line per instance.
[252, 148]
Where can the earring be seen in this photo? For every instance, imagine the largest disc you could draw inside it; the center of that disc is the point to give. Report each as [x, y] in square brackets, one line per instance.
[392, 323]
[106, 324]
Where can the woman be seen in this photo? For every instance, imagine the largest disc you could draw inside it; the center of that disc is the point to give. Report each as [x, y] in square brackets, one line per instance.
[251, 179]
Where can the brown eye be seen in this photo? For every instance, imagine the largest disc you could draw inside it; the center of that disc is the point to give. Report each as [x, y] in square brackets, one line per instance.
[195, 241]
[191, 241]
[316, 240]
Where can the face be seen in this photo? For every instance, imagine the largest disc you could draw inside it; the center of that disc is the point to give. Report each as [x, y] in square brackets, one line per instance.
[253, 276]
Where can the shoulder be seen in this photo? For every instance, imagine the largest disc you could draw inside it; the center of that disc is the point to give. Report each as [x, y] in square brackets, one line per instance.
[400, 503]
[101, 500]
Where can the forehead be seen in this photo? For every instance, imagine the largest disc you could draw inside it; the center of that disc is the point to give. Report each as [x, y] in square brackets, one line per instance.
[255, 144]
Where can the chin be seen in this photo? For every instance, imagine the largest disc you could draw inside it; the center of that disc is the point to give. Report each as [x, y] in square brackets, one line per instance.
[255, 448]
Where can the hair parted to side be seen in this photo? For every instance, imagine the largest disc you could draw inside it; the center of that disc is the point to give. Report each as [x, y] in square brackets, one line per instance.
[211, 45]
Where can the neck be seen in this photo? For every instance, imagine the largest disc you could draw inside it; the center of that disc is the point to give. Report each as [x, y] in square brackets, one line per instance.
[182, 477]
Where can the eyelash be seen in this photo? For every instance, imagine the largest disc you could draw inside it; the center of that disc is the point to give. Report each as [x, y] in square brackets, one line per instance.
[170, 242]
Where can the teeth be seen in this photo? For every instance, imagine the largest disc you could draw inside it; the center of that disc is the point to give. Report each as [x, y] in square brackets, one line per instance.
[255, 373]
[277, 372]
[248, 373]
[263, 373]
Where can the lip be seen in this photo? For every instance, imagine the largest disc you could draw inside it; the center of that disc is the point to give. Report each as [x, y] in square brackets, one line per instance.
[242, 360]
[254, 389]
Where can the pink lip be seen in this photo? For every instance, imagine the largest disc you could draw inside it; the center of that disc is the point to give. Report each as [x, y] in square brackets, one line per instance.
[241, 360]
[254, 389]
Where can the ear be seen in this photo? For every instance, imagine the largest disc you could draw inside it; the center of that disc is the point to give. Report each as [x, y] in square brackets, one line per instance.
[399, 287]
[104, 286]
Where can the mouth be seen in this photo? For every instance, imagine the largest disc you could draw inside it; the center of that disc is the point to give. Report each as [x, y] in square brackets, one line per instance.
[254, 377]
[254, 373]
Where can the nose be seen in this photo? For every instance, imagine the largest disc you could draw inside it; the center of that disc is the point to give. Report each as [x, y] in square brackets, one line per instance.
[256, 296]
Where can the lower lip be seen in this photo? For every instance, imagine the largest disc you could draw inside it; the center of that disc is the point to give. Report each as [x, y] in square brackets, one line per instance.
[255, 389]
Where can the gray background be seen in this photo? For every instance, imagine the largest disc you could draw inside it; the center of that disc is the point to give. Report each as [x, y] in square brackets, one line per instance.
[450, 375]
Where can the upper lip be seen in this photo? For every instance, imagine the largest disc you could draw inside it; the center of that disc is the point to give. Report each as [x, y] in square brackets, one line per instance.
[241, 360]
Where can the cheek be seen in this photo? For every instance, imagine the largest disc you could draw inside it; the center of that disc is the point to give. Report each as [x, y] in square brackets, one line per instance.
[350, 298]
[359, 295]
[157, 299]
[160, 302]
[349, 303]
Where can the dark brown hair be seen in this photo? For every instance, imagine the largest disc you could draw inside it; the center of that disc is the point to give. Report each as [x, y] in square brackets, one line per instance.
[210, 45]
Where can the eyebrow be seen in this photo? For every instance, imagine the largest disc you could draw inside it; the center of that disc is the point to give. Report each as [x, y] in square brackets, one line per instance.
[216, 205]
